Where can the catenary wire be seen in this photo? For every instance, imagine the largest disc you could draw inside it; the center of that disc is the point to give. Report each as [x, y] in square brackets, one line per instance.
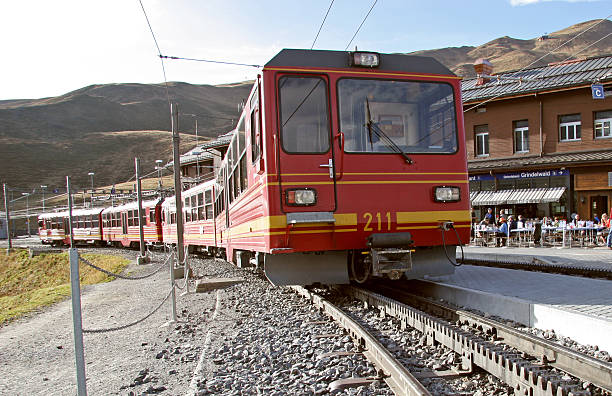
[362, 22]
[158, 52]
[208, 61]
[542, 57]
[322, 23]
[587, 47]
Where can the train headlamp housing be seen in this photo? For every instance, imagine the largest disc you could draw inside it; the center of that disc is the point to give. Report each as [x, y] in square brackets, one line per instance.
[447, 194]
[301, 197]
[364, 59]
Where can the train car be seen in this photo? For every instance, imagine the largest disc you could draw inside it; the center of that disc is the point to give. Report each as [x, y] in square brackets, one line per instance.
[52, 227]
[121, 228]
[198, 219]
[199, 233]
[168, 216]
[344, 166]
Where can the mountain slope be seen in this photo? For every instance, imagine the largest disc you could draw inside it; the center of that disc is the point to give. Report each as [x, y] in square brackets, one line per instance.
[507, 53]
[43, 140]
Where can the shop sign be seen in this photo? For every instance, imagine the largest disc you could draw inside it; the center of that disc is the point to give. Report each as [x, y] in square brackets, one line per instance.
[481, 177]
[528, 175]
[521, 175]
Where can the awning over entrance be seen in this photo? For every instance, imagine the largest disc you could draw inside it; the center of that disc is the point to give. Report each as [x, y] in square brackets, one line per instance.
[553, 194]
[527, 195]
[512, 197]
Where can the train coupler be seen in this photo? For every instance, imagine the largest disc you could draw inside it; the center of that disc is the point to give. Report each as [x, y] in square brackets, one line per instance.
[392, 262]
[391, 254]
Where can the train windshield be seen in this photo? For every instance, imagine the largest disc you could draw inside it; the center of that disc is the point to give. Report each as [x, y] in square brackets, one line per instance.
[304, 114]
[384, 116]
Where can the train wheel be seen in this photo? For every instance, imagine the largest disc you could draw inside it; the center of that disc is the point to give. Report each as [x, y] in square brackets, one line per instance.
[359, 268]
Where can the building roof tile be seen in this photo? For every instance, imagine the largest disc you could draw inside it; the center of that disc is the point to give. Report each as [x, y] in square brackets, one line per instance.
[555, 76]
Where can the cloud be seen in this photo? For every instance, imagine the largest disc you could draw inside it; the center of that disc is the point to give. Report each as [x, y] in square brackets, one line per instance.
[518, 3]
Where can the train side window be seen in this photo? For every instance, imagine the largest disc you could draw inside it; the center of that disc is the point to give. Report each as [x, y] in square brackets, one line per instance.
[152, 215]
[241, 136]
[194, 208]
[186, 209]
[95, 222]
[255, 128]
[304, 114]
[200, 207]
[243, 173]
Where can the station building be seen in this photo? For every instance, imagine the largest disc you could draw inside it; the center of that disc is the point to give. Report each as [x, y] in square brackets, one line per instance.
[539, 140]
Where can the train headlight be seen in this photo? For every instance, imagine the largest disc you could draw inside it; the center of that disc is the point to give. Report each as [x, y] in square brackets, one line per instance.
[301, 197]
[447, 194]
[365, 59]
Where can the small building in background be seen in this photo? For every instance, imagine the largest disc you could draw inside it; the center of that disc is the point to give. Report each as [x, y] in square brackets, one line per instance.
[539, 140]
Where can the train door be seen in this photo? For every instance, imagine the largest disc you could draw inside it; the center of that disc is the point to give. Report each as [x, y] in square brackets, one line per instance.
[306, 157]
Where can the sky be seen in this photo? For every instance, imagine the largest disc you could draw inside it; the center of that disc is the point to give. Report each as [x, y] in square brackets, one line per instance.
[50, 48]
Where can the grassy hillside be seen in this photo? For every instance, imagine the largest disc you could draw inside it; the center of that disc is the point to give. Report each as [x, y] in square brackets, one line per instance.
[27, 284]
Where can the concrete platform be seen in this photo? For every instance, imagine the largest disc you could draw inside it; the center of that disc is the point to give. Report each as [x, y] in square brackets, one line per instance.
[574, 307]
[206, 285]
[597, 257]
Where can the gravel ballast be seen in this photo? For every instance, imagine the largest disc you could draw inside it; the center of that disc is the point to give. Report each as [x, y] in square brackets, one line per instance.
[249, 338]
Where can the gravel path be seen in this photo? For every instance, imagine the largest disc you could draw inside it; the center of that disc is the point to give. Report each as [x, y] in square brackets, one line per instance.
[249, 338]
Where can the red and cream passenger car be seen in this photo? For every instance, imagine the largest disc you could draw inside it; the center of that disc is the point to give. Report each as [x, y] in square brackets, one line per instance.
[199, 226]
[53, 228]
[120, 224]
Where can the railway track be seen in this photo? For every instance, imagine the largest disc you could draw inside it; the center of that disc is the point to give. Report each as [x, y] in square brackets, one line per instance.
[527, 364]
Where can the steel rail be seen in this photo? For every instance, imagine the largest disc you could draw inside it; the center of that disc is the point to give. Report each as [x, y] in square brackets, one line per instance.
[525, 376]
[399, 379]
[577, 364]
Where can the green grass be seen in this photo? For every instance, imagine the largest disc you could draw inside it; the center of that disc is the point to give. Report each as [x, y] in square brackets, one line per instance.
[27, 284]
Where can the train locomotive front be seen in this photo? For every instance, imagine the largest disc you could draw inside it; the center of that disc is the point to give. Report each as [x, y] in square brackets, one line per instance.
[347, 166]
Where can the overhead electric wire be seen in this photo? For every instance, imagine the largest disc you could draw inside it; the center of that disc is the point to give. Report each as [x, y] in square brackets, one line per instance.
[362, 22]
[587, 47]
[158, 51]
[544, 56]
[209, 61]
[322, 23]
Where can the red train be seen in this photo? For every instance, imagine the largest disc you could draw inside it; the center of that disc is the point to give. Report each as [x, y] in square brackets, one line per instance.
[52, 227]
[343, 166]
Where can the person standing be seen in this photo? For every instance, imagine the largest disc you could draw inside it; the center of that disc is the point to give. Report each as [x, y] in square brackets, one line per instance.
[606, 224]
[489, 216]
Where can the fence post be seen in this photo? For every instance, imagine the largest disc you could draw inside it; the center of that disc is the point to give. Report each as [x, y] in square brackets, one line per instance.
[173, 292]
[8, 221]
[77, 320]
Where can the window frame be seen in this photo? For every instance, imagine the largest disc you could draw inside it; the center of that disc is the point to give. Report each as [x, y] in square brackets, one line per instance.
[524, 131]
[477, 136]
[576, 126]
[326, 81]
[409, 80]
[603, 121]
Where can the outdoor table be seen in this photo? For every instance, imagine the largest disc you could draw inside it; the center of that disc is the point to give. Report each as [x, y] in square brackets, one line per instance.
[522, 234]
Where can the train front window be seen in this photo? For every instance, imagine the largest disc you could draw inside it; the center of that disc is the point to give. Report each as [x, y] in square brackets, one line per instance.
[304, 114]
[414, 116]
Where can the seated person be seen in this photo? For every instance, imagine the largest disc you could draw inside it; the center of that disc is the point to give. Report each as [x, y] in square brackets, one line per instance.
[502, 233]
[520, 223]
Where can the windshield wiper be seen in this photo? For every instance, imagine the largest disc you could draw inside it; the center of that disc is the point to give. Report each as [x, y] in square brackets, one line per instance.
[382, 136]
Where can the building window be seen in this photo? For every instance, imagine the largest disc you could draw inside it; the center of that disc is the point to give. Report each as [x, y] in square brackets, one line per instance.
[521, 136]
[603, 123]
[569, 127]
[481, 140]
